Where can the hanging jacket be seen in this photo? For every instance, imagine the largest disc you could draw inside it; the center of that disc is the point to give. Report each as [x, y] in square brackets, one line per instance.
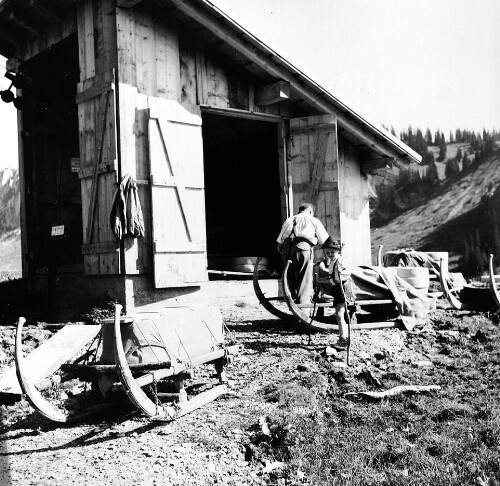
[126, 214]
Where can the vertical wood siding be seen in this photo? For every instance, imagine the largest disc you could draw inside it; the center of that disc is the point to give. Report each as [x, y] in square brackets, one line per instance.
[96, 121]
[354, 207]
[313, 143]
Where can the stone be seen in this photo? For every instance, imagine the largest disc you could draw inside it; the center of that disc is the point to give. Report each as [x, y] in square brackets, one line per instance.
[423, 364]
[338, 364]
[303, 367]
[329, 351]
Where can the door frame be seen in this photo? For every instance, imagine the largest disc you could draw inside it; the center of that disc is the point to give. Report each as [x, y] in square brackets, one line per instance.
[282, 133]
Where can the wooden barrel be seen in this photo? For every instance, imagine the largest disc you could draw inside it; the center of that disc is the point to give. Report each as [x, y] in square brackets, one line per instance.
[417, 277]
[243, 264]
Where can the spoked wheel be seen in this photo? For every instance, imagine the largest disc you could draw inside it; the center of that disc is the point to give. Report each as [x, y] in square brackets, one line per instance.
[275, 303]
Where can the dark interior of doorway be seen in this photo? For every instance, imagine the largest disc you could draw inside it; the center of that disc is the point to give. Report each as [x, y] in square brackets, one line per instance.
[50, 142]
[242, 187]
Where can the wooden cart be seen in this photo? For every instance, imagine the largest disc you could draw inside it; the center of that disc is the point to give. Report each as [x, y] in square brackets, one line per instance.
[453, 294]
[308, 314]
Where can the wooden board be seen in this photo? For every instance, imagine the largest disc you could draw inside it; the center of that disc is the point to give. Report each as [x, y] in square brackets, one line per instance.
[354, 207]
[178, 196]
[49, 356]
[313, 167]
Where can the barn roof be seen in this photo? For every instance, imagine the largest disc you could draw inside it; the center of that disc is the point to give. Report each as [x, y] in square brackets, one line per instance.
[19, 18]
[262, 60]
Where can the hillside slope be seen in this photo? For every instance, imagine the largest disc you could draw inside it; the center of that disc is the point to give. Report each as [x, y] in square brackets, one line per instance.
[10, 234]
[460, 206]
[9, 200]
[10, 251]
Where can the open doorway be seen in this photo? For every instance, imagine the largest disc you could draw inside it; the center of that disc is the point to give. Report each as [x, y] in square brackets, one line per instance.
[51, 152]
[242, 188]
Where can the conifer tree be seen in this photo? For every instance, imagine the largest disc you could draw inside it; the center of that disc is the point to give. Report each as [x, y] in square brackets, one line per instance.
[451, 167]
[466, 162]
[442, 149]
[420, 145]
[428, 136]
[432, 174]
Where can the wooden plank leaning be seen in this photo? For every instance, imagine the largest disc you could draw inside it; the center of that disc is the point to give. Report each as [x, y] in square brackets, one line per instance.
[49, 356]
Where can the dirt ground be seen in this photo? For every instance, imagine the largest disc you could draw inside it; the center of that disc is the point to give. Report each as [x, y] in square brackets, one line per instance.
[216, 444]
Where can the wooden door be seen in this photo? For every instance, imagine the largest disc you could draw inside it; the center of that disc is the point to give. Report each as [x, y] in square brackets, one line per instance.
[177, 195]
[313, 166]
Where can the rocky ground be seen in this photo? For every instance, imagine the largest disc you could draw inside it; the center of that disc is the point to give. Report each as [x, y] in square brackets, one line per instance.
[233, 441]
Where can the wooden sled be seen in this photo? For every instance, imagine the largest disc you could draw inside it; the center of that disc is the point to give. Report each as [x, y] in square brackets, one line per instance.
[328, 323]
[132, 379]
[268, 302]
[458, 304]
[493, 286]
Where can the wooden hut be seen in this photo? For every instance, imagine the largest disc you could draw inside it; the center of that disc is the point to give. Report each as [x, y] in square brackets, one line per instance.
[221, 136]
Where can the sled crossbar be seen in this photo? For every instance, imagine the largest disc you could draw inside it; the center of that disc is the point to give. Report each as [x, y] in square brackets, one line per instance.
[355, 303]
[105, 368]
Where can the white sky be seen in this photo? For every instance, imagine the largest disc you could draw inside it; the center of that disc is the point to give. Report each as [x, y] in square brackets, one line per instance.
[428, 63]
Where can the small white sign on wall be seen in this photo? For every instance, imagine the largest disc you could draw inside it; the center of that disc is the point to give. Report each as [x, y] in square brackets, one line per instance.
[57, 230]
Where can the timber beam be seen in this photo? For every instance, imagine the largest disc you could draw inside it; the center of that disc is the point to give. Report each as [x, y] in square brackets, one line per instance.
[127, 3]
[376, 164]
[269, 63]
[272, 93]
[9, 37]
[24, 23]
[48, 13]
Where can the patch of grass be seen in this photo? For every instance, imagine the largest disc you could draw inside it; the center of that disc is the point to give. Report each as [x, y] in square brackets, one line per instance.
[446, 438]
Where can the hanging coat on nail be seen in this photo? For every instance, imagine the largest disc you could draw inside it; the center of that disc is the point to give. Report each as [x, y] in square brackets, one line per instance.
[126, 214]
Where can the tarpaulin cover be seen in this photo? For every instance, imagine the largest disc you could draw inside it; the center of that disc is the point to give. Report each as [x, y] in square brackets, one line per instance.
[172, 334]
[412, 258]
[376, 283]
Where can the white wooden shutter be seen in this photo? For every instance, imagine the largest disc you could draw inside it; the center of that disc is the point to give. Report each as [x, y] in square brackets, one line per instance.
[178, 195]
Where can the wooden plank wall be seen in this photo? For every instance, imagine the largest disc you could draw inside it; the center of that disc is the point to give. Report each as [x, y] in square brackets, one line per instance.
[354, 207]
[51, 34]
[148, 67]
[308, 142]
[209, 78]
[156, 59]
[97, 56]
[148, 52]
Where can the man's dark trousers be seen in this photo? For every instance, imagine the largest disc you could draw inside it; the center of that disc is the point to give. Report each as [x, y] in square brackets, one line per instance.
[301, 272]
